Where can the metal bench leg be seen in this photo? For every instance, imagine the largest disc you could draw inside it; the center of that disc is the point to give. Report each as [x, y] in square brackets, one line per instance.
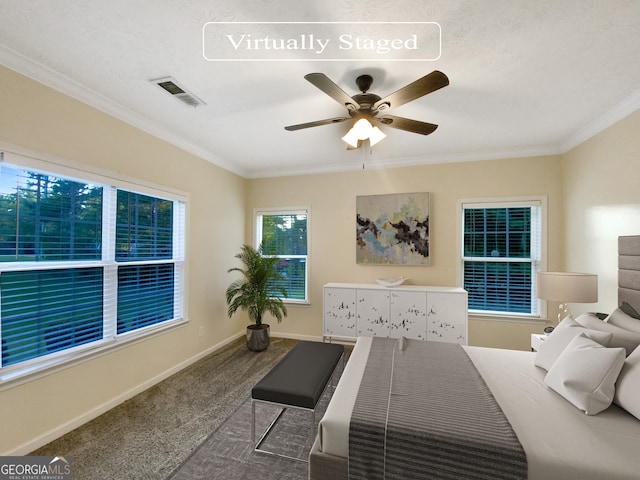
[313, 425]
[263, 437]
[257, 444]
[253, 422]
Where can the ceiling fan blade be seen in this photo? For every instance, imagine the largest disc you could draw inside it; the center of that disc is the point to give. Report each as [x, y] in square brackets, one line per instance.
[427, 84]
[401, 123]
[327, 85]
[317, 123]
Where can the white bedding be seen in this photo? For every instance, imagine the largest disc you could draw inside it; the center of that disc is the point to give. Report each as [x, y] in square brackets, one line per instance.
[560, 441]
[334, 426]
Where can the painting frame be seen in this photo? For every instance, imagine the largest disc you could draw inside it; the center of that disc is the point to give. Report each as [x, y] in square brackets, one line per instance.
[393, 229]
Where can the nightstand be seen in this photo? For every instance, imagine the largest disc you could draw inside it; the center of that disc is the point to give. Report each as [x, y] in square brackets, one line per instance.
[536, 340]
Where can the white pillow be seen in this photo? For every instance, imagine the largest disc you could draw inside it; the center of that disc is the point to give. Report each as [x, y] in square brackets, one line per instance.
[620, 337]
[585, 374]
[628, 385]
[557, 340]
[622, 320]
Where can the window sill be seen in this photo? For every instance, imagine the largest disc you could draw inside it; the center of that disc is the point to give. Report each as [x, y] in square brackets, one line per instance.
[297, 303]
[487, 317]
[20, 376]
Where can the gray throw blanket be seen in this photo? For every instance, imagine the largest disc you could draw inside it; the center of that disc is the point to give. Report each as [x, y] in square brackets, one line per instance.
[424, 411]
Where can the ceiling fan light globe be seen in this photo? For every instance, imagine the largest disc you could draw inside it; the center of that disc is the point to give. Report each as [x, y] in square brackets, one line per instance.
[351, 138]
[376, 136]
[362, 129]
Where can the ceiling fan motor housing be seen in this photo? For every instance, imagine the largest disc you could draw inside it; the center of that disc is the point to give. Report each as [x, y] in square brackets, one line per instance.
[366, 102]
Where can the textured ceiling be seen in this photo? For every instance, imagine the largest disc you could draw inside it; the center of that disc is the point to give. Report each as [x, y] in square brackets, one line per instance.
[526, 78]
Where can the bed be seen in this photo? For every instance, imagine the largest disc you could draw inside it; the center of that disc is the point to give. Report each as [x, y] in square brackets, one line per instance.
[561, 436]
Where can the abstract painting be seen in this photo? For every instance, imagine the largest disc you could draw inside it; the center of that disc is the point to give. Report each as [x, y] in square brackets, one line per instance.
[392, 229]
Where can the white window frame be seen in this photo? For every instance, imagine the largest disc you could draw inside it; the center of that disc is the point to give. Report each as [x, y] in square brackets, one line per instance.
[39, 366]
[538, 253]
[258, 213]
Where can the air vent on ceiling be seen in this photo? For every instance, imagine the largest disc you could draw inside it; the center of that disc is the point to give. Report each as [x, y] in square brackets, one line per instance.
[179, 92]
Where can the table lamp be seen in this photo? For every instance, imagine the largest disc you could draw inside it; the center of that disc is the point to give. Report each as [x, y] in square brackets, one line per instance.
[567, 287]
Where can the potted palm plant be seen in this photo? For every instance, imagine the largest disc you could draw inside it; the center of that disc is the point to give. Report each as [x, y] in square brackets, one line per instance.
[254, 292]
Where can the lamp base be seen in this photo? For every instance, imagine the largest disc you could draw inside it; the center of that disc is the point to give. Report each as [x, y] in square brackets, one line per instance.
[563, 312]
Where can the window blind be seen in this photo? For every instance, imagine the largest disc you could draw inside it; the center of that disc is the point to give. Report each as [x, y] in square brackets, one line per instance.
[45, 311]
[144, 227]
[145, 296]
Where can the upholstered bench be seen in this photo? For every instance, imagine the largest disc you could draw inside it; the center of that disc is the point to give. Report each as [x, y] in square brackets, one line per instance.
[298, 381]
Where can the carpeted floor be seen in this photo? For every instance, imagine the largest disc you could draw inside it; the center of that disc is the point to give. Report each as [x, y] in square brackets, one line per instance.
[152, 434]
[228, 453]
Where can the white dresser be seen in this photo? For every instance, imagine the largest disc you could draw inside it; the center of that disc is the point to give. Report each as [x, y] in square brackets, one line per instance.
[351, 310]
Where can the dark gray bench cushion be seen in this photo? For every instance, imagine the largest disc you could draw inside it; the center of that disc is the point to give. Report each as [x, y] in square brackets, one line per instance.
[301, 376]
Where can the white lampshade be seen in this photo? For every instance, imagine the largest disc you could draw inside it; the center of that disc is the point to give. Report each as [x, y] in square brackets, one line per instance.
[567, 287]
[375, 136]
[362, 130]
[351, 138]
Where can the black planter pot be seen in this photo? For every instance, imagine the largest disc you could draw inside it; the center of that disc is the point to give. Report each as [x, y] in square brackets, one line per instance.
[258, 337]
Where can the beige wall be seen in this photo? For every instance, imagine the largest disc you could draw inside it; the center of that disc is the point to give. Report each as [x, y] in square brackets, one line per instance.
[602, 189]
[332, 200]
[39, 119]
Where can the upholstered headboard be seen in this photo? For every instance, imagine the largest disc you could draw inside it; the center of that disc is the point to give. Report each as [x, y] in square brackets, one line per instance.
[629, 271]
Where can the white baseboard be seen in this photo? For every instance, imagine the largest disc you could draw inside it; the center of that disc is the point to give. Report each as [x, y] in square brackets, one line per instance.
[51, 435]
[315, 338]
[308, 338]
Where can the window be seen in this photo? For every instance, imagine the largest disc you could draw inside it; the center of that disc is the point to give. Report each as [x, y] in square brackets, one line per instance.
[501, 252]
[144, 233]
[83, 264]
[284, 234]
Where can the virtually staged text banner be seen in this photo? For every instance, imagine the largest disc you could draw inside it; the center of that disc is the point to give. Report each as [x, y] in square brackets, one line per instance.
[321, 41]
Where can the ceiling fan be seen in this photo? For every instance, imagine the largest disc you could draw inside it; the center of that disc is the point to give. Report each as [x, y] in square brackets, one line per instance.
[372, 108]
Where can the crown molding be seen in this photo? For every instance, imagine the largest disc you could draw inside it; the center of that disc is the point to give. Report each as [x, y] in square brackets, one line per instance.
[400, 162]
[611, 117]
